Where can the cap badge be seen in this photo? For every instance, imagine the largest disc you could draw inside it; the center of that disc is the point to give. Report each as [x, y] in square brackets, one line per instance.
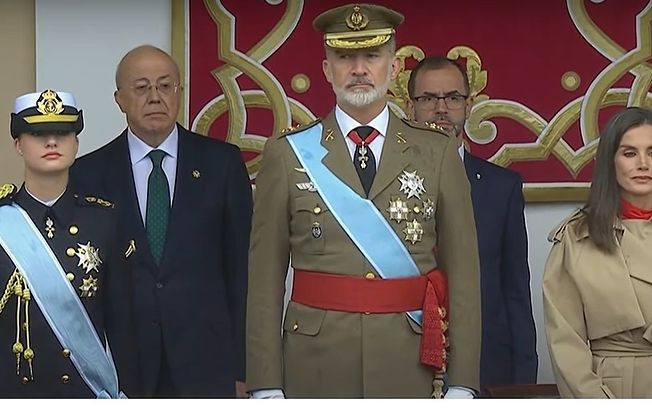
[49, 103]
[357, 21]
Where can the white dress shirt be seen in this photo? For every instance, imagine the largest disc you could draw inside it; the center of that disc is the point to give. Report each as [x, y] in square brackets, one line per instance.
[347, 124]
[141, 165]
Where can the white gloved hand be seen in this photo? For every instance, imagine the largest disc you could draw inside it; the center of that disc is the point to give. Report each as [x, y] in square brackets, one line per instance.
[275, 393]
[459, 393]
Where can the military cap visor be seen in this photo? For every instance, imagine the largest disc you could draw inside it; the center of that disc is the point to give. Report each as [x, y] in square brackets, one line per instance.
[357, 26]
[47, 111]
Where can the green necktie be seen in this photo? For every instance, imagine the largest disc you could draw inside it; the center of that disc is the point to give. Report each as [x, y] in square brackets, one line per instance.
[158, 205]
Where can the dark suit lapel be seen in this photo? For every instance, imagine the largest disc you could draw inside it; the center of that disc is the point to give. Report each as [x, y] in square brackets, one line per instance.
[392, 159]
[338, 160]
[473, 173]
[187, 189]
[124, 193]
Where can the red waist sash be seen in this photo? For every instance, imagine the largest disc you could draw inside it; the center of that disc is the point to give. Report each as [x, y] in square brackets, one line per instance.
[369, 295]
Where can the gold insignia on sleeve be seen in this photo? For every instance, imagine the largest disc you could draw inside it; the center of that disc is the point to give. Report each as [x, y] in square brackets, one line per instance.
[131, 248]
[89, 257]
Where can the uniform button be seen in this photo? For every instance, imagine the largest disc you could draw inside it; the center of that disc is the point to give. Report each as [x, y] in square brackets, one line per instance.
[295, 327]
[65, 378]
[65, 353]
[73, 230]
[159, 285]
[70, 251]
[70, 276]
[25, 380]
[370, 275]
[317, 209]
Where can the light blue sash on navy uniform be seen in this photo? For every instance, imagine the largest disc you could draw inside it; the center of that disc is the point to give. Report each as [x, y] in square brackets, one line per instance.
[358, 216]
[58, 301]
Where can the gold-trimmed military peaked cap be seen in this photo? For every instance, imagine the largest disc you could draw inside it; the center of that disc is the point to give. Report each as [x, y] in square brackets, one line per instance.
[47, 111]
[357, 26]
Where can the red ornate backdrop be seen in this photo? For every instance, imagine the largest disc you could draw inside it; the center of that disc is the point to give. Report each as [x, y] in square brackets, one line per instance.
[545, 74]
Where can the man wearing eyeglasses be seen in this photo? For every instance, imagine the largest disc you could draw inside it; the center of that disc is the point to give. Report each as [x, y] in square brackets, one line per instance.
[186, 200]
[439, 93]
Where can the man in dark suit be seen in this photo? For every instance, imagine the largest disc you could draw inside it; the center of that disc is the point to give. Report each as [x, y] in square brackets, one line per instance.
[186, 200]
[439, 94]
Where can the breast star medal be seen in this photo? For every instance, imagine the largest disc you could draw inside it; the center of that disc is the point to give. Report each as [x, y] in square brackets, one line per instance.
[398, 210]
[89, 257]
[88, 287]
[428, 209]
[411, 184]
[413, 232]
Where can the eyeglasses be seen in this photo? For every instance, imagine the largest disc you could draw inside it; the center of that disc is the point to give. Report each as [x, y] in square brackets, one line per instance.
[163, 87]
[429, 102]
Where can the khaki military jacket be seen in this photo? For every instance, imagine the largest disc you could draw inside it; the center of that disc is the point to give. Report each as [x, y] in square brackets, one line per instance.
[320, 353]
[598, 311]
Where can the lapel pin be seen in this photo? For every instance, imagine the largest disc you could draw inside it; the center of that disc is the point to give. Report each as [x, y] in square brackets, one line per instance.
[399, 138]
[196, 174]
[131, 249]
[478, 176]
[329, 135]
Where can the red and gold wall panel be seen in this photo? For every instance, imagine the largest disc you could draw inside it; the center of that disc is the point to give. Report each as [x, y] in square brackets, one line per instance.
[545, 75]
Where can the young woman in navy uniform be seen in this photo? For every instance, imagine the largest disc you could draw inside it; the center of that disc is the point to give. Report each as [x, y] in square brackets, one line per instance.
[66, 328]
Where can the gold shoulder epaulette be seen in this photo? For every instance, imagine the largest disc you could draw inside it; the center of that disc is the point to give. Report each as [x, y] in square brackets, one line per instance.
[7, 191]
[299, 128]
[558, 232]
[432, 127]
[92, 200]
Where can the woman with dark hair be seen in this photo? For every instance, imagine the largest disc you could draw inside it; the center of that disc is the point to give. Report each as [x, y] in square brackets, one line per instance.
[597, 285]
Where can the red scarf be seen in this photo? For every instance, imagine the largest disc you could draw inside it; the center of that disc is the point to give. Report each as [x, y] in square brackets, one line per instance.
[630, 212]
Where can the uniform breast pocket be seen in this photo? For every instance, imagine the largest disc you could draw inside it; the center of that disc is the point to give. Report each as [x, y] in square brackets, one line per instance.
[308, 224]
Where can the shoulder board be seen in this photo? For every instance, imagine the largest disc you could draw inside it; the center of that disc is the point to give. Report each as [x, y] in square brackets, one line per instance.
[299, 128]
[558, 232]
[7, 192]
[92, 200]
[431, 127]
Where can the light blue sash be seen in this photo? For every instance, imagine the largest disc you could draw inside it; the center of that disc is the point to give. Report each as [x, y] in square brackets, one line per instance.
[58, 301]
[358, 216]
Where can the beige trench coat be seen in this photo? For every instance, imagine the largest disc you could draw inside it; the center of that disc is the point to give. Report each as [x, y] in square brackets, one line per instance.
[598, 311]
[335, 354]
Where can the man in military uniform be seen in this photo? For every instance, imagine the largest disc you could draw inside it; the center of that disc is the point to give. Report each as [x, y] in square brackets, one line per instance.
[65, 313]
[376, 213]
